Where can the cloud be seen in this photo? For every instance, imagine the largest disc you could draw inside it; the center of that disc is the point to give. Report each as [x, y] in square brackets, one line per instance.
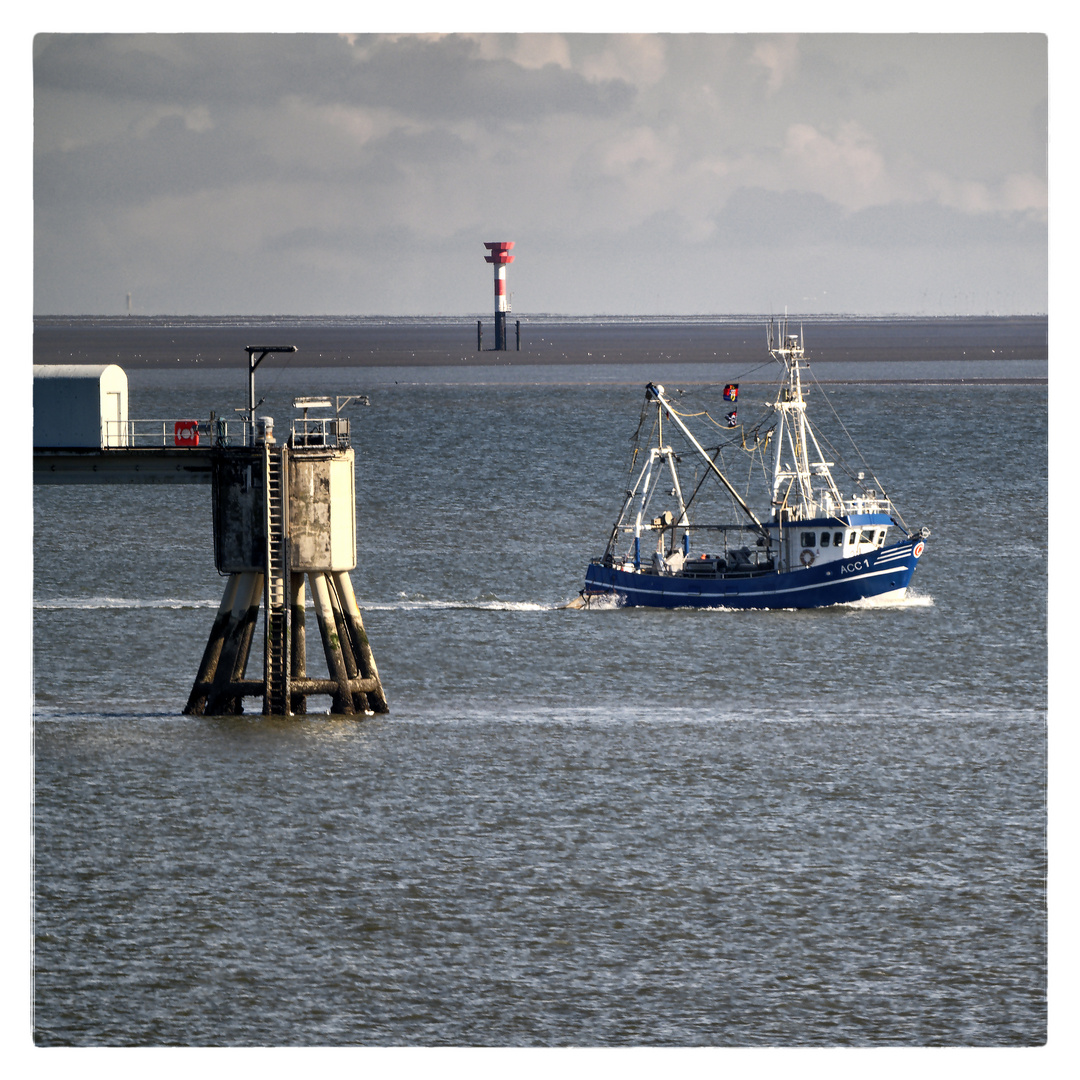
[846, 167]
[531, 51]
[780, 58]
[187, 151]
[1022, 192]
[638, 59]
[462, 76]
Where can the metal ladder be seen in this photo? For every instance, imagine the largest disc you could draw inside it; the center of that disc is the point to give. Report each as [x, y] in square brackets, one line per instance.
[276, 698]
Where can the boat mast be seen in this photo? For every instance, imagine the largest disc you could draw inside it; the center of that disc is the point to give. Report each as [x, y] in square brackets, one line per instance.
[789, 350]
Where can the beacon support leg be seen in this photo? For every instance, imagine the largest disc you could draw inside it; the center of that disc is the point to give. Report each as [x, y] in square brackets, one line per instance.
[361, 646]
[233, 653]
[299, 640]
[335, 661]
[212, 654]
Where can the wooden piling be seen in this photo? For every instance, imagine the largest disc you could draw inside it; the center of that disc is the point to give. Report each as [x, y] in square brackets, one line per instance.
[335, 660]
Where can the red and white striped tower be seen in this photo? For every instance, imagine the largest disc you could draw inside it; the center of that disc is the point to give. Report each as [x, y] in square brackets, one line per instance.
[500, 256]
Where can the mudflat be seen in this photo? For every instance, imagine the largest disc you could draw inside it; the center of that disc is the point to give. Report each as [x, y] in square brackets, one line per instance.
[139, 341]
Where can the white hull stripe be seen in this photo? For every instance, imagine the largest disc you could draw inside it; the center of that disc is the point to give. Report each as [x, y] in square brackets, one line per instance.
[894, 558]
[770, 592]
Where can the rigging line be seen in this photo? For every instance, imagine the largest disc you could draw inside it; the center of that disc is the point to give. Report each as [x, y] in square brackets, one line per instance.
[724, 427]
[715, 423]
[833, 448]
[644, 411]
[636, 437]
[844, 429]
[711, 462]
[845, 467]
[708, 416]
[880, 486]
[749, 477]
[734, 378]
[737, 440]
[686, 505]
[834, 451]
[705, 475]
[707, 388]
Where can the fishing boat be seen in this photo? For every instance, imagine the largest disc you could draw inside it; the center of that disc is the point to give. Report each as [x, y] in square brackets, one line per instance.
[812, 547]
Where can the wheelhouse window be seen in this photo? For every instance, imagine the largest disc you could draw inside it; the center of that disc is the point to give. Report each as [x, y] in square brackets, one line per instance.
[809, 540]
[838, 539]
[824, 539]
[851, 537]
[867, 536]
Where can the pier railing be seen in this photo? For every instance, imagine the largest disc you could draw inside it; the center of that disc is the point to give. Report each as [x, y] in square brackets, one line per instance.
[172, 433]
[322, 431]
[148, 434]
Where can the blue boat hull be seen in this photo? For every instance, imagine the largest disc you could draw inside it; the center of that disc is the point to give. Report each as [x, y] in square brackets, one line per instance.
[843, 581]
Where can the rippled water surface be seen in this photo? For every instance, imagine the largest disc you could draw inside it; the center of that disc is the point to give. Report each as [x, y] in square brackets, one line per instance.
[573, 828]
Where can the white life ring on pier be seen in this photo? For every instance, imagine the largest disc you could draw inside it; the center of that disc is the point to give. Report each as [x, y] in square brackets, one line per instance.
[807, 557]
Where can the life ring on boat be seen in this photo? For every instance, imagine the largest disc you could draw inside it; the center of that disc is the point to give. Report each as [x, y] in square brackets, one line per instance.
[807, 557]
[919, 548]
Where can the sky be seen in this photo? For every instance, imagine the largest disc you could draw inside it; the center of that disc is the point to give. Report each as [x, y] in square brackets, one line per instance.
[636, 173]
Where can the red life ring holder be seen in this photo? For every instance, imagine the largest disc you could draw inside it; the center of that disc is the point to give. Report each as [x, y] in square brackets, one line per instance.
[807, 557]
[920, 547]
[186, 433]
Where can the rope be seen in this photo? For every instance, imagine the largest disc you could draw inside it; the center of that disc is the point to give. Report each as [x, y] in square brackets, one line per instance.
[833, 450]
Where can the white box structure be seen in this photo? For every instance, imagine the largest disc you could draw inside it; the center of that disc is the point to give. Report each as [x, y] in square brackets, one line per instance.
[80, 405]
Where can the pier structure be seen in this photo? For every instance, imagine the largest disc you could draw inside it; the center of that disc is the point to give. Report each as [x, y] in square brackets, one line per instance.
[284, 513]
[499, 256]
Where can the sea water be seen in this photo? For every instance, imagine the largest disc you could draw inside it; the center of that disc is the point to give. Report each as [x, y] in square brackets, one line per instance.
[590, 828]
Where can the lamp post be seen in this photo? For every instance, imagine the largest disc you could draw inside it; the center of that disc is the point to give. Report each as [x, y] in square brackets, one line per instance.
[253, 362]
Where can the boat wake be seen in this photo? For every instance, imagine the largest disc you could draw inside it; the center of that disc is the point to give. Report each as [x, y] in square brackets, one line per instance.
[912, 600]
[119, 603]
[614, 602]
[405, 603]
[481, 603]
[605, 602]
[611, 602]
